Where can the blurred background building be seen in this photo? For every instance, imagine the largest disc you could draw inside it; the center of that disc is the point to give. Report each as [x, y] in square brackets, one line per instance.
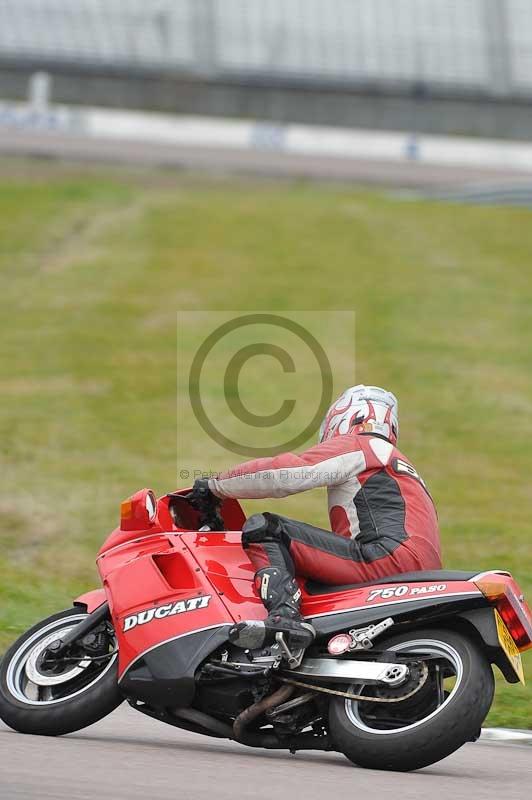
[440, 66]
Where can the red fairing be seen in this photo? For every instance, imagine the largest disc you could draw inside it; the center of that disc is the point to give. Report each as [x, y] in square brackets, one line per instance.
[166, 582]
[166, 585]
[387, 596]
[231, 511]
[156, 592]
[162, 585]
[146, 571]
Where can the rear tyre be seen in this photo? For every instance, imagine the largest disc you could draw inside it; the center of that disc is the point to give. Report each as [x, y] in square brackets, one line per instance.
[430, 725]
[48, 701]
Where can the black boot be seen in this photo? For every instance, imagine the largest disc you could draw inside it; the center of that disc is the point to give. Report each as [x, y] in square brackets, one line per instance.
[282, 598]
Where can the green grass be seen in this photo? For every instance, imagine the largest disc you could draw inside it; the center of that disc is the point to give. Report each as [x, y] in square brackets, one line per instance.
[96, 264]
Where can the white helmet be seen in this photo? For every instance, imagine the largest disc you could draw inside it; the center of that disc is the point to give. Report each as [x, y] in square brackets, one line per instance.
[362, 409]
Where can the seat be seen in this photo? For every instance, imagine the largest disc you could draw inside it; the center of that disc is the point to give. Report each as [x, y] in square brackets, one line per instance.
[432, 576]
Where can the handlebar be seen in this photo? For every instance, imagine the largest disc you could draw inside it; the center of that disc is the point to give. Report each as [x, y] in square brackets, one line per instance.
[208, 508]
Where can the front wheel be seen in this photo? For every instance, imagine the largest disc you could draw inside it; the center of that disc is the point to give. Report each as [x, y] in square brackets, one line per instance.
[41, 696]
[445, 713]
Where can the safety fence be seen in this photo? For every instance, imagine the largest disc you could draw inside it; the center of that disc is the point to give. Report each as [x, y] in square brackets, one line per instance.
[477, 46]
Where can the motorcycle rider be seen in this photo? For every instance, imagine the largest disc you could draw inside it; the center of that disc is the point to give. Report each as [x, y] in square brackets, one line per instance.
[382, 517]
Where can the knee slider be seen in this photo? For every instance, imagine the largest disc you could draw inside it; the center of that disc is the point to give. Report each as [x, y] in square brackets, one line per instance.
[254, 529]
[261, 528]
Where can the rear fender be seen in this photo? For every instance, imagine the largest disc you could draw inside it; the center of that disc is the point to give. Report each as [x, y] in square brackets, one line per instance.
[482, 620]
[91, 600]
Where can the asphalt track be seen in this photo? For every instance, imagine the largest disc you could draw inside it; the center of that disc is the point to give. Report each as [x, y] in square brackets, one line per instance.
[131, 757]
[404, 174]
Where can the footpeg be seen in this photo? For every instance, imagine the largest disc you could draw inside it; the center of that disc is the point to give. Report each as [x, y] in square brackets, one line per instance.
[363, 637]
[250, 635]
[357, 638]
[292, 641]
[292, 657]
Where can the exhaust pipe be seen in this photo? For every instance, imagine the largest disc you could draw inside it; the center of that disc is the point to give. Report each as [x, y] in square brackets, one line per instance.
[302, 741]
[237, 732]
[214, 727]
[210, 724]
[252, 712]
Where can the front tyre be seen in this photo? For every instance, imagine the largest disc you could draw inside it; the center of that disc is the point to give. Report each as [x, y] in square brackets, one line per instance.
[446, 712]
[42, 697]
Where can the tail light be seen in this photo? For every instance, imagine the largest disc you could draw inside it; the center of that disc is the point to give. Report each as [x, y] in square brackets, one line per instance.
[139, 511]
[505, 594]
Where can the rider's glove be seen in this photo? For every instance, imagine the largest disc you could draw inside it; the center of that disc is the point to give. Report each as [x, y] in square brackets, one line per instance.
[201, 496]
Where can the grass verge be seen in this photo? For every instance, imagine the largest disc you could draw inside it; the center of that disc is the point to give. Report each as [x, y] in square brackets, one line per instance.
[95, 266]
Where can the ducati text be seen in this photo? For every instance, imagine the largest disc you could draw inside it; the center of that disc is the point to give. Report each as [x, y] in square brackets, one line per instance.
[161, 612]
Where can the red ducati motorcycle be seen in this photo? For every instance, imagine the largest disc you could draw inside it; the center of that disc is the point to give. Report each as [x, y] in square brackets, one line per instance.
[399, 675]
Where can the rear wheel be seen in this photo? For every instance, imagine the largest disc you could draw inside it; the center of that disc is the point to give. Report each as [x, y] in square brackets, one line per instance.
[445, 713]
[50, 697]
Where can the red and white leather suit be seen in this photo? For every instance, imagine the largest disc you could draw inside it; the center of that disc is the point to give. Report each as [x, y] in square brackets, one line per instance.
[382, 517]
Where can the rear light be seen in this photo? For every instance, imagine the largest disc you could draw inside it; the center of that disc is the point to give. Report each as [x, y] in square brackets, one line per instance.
[139, 511]
[504, 593]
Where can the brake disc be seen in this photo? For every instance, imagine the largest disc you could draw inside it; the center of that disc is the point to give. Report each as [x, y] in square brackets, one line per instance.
[33, 670]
